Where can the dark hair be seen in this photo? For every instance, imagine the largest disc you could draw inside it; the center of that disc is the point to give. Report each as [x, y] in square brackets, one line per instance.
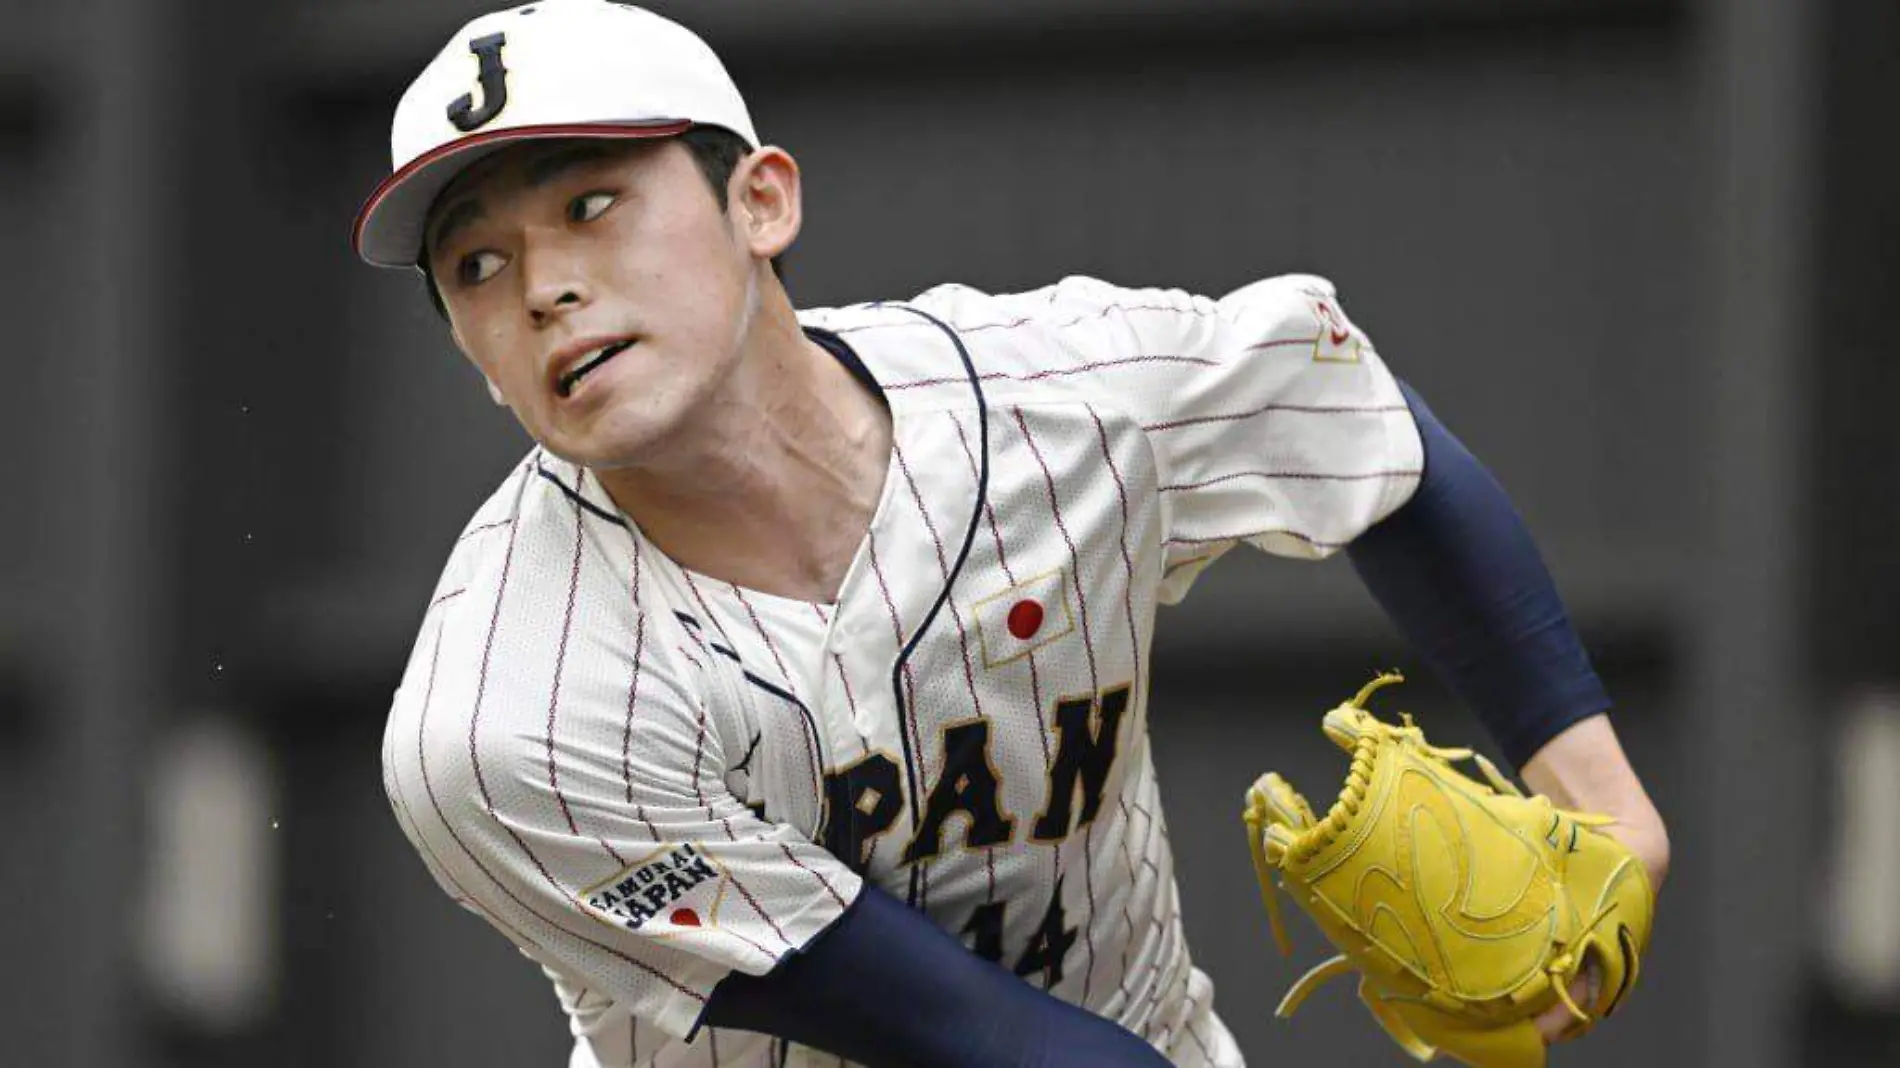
[715, 149]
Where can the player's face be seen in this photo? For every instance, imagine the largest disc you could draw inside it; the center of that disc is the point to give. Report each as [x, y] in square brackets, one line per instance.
[599, 286]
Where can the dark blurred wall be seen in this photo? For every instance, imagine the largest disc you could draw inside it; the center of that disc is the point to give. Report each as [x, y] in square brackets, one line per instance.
[1852, 504]
[1544, 213]
[1852, 361]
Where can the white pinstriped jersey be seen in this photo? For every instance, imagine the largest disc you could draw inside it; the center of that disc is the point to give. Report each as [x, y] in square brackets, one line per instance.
[647, 778]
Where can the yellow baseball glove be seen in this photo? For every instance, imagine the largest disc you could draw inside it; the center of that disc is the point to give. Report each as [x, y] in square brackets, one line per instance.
[1467, 909]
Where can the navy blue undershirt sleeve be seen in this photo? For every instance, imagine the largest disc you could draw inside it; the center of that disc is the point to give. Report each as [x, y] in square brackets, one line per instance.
[886, 987]
[1456, 571]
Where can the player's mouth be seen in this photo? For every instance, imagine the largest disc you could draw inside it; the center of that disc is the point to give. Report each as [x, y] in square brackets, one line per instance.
[587, 362]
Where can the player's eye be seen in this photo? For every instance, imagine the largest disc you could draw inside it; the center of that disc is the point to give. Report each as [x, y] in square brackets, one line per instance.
[478, 267]
[588, 206]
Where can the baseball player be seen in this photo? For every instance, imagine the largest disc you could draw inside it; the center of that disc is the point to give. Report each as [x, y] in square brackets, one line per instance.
[788, 702]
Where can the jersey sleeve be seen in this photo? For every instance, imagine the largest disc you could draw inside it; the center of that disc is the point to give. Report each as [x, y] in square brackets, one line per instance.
[1272, 419]
[570, 787]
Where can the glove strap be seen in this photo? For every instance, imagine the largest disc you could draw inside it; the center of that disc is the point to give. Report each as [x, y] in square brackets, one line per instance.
[1311, 981]
[1570, 963]
[1256, 819]
[1395, 1026]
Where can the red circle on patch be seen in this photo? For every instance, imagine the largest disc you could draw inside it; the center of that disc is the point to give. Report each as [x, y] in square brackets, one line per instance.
[684, 918]
[1025, 619]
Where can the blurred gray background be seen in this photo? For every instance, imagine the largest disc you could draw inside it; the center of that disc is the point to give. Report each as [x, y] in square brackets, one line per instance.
[1638, 253]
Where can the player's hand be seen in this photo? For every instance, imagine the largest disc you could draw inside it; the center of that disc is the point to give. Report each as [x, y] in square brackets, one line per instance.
[1584, 769]
[1644, 833]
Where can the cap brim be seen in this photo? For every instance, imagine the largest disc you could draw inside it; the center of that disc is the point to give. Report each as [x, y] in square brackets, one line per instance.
[388, 228]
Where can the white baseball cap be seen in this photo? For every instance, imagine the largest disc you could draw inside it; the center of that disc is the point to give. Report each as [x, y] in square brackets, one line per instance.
[554, 68]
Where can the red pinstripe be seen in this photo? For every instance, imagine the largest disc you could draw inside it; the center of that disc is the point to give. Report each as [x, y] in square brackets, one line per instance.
[1251, 534]
[488, 651]
[1128, 861]
[1170, 918]
[472, 531]
[1095, 681]
[850, 699]
[1134, 645]
[763, 915]
[1293, 476]
[1128, 563]
[1099, 313]
[554, 694]
[910, 681]
[705, 609]
[1282, 342]
[422, 764]
[633, 695]
[791, 686]
[1002, 558]
[1163, 989]
[1188, 1027]
[699, 791]
[770, 646]
[698, 755]
[963, 634]
[1075, 561]
[817, 769]
[480, 781]
[943, 568]
[475, 717]
[395, 774]
[1035, 682]
[1268, 409]
[851, 703]
[445, 598]
[1054, 372]
[633, 685]
[759, 949]
[699, 745]
[1183, 975]
[815, 873]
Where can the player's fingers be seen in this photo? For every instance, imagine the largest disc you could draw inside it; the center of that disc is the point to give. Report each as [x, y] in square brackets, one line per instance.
[1557, 1024]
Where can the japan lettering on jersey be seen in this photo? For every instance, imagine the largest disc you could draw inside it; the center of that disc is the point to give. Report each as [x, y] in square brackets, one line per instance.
[648, 778]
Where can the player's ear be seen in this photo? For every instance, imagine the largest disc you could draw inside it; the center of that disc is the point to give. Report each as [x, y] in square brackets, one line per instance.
[766, 202]
[494, 393]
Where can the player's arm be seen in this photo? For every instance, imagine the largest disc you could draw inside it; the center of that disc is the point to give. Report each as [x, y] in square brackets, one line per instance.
[884, 986]
[1456, 570]
[1275, 423]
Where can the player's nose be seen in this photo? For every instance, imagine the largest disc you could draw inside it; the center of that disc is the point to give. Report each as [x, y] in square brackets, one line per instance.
[554, 285]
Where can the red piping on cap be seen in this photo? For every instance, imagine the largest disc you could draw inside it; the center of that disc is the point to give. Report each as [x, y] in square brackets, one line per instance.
[641, 129]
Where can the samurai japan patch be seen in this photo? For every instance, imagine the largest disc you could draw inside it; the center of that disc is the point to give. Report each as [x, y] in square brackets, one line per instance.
[678, 887]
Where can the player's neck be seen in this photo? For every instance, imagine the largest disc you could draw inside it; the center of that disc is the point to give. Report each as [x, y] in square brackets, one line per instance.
[779, 480]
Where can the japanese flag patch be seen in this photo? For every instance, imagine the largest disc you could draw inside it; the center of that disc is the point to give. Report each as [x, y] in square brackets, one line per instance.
[674, 890]
[1338, 340]
[1029, 615]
